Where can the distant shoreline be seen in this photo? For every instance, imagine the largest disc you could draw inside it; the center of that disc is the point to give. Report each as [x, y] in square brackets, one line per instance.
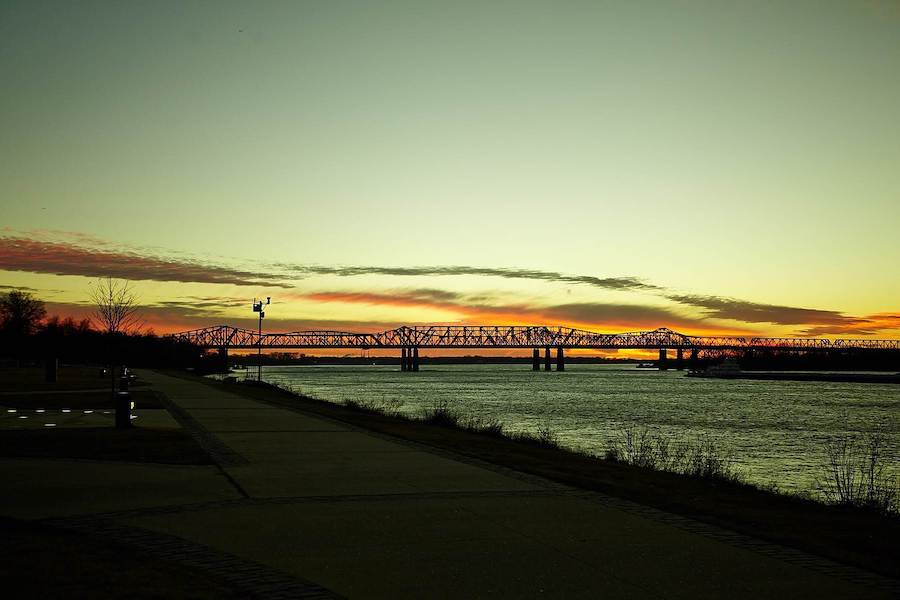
[806, 376]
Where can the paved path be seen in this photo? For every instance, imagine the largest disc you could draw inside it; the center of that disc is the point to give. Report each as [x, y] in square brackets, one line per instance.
[303, 506]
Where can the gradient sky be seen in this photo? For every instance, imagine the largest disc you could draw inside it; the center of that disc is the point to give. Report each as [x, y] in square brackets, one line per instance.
[707, 166]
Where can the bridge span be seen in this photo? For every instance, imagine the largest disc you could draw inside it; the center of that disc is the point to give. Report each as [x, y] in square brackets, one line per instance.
[409, 340]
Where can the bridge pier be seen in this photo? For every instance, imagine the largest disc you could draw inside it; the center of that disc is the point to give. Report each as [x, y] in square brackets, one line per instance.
[560, 359]
[403, 359]
[679, 359]
[663, 363]
[536, 360]
[415, 358]
[547, 358]
[692, 362]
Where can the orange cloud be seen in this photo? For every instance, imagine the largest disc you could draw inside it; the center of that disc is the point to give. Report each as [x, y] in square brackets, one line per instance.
[162, 319]
[587, 315]
[867, 325]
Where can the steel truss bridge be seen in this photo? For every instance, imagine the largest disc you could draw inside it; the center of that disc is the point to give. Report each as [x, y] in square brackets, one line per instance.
[494, 336]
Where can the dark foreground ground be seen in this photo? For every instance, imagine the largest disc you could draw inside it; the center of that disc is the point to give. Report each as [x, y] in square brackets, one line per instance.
[38, 561]
[247, 491]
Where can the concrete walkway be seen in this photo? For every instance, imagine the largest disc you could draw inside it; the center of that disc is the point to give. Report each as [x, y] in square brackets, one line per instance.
[363, 516]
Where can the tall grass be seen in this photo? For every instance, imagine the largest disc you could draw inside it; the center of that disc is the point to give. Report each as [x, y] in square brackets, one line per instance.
[545, 437]
[650, 449]
[856, 473]
[441, 414]
[390, 407]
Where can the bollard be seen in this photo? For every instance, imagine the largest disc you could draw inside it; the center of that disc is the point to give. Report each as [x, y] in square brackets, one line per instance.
[123, 383]
[123, 410]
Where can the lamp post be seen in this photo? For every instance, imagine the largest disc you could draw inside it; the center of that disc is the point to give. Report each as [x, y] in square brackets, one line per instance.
[258, 308]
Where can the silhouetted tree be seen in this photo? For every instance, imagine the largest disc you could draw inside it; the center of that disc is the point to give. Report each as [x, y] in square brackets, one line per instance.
[115, 306]
[20, 315]
[116, 314]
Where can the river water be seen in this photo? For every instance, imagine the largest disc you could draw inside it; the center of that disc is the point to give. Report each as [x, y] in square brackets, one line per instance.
[774, 431]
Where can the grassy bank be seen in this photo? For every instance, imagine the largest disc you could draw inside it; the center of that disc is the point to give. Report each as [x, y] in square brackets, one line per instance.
[860, 537]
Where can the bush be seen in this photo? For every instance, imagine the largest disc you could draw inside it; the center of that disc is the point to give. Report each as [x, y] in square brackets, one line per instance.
[856, 473]
[545, 437]
[442, 415]
[385, 406]
[649, 449]
[492, 427]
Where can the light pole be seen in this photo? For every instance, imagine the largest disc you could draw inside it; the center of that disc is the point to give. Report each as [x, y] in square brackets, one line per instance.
[258, 308]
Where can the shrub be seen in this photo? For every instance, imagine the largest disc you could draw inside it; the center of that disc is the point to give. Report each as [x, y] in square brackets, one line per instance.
[492, 427]
[648, 449]
[442, 415]
[856, 473]
[544, 437]
[385, 406]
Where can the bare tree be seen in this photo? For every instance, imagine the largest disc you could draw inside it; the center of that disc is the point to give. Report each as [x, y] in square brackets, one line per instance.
[115, 306]
[116, 313]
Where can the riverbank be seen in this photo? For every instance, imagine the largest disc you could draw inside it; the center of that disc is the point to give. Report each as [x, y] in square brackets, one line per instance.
[852, 536]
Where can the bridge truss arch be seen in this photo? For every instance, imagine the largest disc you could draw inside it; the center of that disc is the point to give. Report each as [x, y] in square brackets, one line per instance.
[510, 336]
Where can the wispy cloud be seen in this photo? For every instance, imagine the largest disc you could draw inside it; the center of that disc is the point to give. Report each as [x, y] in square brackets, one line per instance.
[69, 258]
[169, 318]
[719, 307]
[596, 315]
[816, 321]
[72, 253]
[205, 304]
[868, 325]
[609, 283]
[20, 288]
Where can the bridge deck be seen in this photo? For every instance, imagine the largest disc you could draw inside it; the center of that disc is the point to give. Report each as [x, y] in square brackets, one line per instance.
[496, 336]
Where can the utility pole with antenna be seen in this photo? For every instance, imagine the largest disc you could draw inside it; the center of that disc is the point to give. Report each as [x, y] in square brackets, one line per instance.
[258, 308]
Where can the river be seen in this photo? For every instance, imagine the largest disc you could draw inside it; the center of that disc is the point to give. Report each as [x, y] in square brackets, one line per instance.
[774, 431]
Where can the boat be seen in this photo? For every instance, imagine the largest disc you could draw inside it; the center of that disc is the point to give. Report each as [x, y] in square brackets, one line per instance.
[727, 370]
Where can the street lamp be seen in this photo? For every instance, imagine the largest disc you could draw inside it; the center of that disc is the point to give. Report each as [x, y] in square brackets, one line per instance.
[258, 308]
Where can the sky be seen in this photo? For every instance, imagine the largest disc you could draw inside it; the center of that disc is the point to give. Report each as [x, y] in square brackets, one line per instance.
[712, 167]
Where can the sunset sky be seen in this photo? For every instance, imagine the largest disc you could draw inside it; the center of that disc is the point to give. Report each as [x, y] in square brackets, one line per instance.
[713, 167]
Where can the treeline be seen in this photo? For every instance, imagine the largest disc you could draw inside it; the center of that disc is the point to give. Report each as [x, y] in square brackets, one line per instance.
[29, 337]
[77, 342]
